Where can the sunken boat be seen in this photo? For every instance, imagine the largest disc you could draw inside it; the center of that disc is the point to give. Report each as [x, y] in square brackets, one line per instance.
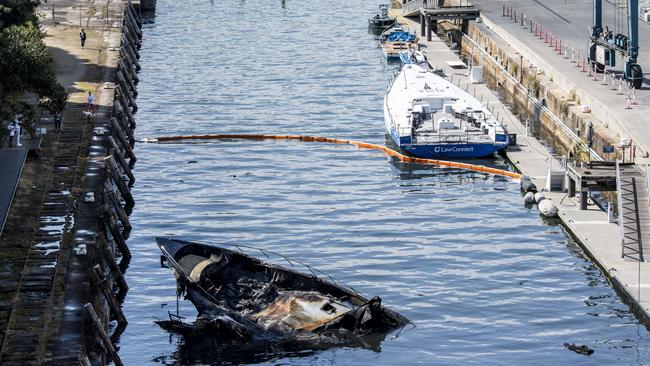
[243, 299]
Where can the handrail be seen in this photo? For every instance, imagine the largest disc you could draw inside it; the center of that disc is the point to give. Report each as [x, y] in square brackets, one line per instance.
[291, 261]
[538, 103]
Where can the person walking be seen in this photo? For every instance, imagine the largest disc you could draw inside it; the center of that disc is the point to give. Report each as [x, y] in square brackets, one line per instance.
[57, 122]
[90, 106]
[82, 37]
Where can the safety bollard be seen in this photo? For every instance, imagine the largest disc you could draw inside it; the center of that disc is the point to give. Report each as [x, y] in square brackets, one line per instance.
[522, 18]
[595, 73]
[584, 64]
[627, 102]
[573, 54]
[531, 27]
[503, 13]
[604, 76]
[620, 85]
[613, 86]
[633, 96]
[515, 12]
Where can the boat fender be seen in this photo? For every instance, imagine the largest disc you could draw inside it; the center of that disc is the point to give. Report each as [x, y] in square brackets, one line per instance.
[527, 184]
[547, 208]
[529, 198]
[539, 196]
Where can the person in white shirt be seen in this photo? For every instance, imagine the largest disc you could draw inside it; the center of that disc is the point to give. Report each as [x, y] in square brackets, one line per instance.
[90, 107]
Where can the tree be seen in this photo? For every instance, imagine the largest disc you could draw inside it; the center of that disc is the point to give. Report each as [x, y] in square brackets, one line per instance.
[18, 12]
[25, 64]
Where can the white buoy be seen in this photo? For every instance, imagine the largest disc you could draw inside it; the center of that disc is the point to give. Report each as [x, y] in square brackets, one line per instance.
[547, 208]
[529, 198]
[539, 197]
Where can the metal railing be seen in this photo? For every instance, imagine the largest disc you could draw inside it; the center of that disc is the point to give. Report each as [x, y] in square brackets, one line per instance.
[628, 217]
[416, 5]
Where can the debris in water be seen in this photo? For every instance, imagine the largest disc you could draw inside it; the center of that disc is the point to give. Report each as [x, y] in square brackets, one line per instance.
[583, 350]
[191, 162]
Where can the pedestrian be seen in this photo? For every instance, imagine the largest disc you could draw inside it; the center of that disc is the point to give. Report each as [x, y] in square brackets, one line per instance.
[57, 122]
[11, 130]
[18, 124]
[90, 106]
[82, 37]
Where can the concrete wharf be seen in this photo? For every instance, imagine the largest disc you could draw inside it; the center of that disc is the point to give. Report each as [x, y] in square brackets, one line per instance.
[599, 238]
[567, 23]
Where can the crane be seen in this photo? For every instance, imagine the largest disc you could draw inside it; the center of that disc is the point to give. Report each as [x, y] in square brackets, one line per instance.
[604, 44]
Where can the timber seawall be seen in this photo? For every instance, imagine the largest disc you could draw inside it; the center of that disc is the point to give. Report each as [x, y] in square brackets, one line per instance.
[64, 290]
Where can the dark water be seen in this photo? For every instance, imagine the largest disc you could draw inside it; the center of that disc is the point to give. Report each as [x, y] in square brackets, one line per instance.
[485, 280]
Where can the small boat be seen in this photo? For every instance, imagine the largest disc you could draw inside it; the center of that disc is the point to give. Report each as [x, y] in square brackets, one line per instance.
[429, 117]
[381, 21]
[241, 298]
[395, 40]
[412, 56]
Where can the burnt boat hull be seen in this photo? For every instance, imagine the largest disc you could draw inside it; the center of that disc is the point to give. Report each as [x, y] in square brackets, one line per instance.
[246, 298]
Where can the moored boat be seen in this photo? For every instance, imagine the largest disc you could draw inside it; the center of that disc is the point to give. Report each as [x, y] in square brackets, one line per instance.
[382, 20]
[412, 56]
[395, 40]
[429, 117]
[243, 298]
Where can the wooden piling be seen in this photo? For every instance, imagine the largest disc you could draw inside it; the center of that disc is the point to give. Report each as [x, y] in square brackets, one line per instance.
[99, 327]
[117, 154]
[117, 235]
[125, 143]
[100, 279]
[114, 173]
[112, 263]
[115, 203]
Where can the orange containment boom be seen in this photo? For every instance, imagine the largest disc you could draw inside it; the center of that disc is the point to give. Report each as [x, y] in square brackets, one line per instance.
[359, 144]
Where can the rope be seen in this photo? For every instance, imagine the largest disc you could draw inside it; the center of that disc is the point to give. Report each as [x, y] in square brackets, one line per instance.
[358, 144]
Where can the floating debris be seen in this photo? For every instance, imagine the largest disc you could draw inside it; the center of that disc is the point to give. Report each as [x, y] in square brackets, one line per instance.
[583, 350]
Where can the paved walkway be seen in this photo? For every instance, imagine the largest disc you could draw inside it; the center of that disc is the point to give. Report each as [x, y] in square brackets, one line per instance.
[12, 161]
[598, 237]
[570, 21]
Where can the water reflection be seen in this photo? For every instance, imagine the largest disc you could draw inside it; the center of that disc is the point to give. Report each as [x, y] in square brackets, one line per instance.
[199, 349]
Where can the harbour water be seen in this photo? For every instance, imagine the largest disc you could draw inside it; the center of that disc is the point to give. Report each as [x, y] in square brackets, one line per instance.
[484, 280]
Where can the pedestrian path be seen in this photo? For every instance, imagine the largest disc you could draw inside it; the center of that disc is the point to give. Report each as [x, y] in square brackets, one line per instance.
[12, 161]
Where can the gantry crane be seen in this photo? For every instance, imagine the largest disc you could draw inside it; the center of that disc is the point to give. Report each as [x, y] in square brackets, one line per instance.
[604, 44]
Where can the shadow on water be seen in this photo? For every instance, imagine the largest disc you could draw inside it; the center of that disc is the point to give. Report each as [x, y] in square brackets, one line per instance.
[192, 349]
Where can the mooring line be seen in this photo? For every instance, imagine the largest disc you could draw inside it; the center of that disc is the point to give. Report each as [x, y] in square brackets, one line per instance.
[359, 144]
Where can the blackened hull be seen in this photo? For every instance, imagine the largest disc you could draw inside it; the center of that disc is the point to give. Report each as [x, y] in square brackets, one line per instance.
[233, 288]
